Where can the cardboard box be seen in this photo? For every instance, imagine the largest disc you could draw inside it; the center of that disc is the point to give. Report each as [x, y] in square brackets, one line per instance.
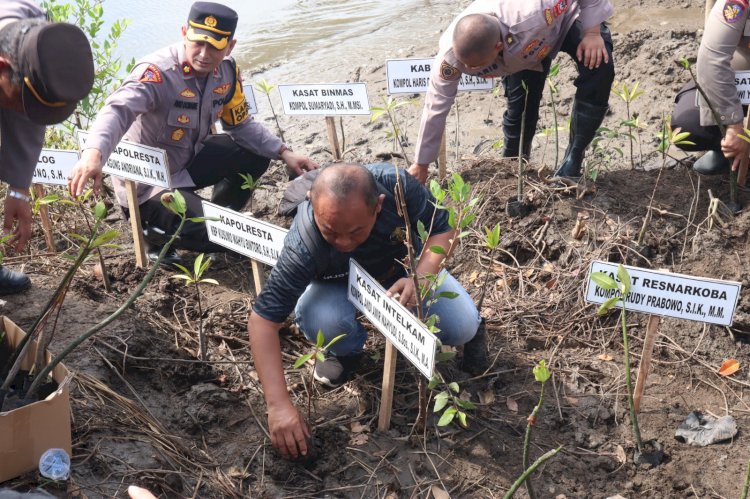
[27, 432]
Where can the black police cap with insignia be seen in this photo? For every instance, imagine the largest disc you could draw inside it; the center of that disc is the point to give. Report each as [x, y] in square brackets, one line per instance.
[211, 22]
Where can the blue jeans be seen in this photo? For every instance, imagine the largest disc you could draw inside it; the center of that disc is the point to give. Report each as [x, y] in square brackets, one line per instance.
[324, 306]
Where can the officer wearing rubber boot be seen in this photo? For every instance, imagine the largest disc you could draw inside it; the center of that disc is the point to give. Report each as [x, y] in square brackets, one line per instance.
[518, 40]
[724, 49]
[170, 100]
[45, 69]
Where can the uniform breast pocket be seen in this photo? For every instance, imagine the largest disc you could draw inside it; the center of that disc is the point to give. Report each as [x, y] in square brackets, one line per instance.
[180, 126]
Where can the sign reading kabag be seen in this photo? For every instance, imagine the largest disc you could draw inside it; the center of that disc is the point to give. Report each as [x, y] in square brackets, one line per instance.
[54, 166]
[411, 76]
[742, 81]
[407, 334]
[671, 295]
[325, 99]
[131, 161]
[247, 236]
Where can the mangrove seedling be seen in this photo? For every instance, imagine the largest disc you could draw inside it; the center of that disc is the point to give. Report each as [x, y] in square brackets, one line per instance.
[495, 94]
[250, 184]
[529, 471]
[518, 207]
[317, 354]
[628, 95]
[541, 375]
[266, 88]
[395, 133]
[195, 278]
[621, 286]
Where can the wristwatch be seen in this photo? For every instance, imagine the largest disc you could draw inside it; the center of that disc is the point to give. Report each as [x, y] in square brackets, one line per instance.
[18, 195]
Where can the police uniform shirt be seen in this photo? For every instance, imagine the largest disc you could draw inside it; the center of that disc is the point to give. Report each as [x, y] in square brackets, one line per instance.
[531, 30]
[20, 139]
[301, 262]
[725, 47]
[163, 104]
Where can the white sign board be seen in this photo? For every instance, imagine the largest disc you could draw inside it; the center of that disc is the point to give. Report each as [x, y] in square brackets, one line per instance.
[247, 236]
[252, 107]
[407, 334]
[54, 166]
[131, 161]
[742, 81]
[671, 295]
[325, 99]
[411, 76]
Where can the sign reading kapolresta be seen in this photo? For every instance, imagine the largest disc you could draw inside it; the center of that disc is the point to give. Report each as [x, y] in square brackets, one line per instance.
[671, 295]
[334, 99]
[411, 76]
[247, 236]
[131, 161]
[742, 81]
[54, 166]
[410, 336]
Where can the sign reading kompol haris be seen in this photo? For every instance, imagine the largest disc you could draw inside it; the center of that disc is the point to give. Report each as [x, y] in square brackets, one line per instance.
[247, 236]
[407, 334]
[131, 161]
[54, 166]
[411, 76]
[325, 99]
[671, 295]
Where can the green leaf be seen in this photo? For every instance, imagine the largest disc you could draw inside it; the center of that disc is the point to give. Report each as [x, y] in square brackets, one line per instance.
[462, 419]
[100, 211]
[319, 355]
[624, 277]
[422, 231]
[104, 238]
[434, 381]
[438, 250]
[447, 416]
[197, 265]
[541, 373]
[554, 70]
[441, 400]
[209, 281]
[454, 386]
[184, 269]
[607, 305]
[492, 236]
[603, 280]
[302, 360]
[183, 277]
[444, 356]
[320, 339]
[334, 340]
[465, 404]
[175, 202]
[447, 294]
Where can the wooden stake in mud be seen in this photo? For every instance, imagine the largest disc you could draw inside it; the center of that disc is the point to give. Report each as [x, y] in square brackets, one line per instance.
[442, 160]
[135, 225]
[259, 275]
[389, 382]
[333, 137]
[648, 348]
[44, 217]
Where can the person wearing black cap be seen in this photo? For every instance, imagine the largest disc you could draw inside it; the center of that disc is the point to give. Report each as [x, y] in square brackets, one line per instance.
[45, 69]
[170, 100]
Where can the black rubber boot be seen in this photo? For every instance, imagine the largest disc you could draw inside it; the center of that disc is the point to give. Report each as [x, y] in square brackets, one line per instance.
[712, 163]
[475, 360]
[12, 282]
[230, 194]
[585, 120]
[154, 240]
[510, 149]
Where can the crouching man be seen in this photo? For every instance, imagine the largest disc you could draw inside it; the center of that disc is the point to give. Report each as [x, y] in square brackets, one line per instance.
[351, 213]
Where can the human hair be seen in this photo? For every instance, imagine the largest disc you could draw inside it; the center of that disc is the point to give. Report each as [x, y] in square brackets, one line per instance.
[343, 180]
[11, 37]
[475, 35]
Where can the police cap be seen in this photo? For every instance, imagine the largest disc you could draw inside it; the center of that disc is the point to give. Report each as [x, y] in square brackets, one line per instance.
[211, 22]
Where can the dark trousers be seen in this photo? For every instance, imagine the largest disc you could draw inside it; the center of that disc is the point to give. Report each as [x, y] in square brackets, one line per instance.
[592, 86]
[220, 161]
[686, 116]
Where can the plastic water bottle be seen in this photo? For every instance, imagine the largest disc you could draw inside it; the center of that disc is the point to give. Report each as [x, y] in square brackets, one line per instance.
[55, 464]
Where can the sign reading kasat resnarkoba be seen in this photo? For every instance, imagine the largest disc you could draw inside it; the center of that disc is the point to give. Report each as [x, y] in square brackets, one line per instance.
[410, 76]
[54, 166]
[334, 99]
[247, 236]
[671, 295]
[131, 161]
[407, 334]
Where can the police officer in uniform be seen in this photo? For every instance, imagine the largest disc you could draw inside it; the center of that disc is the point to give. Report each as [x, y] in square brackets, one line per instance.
[725, 48]
[170, 100]
[45, 69]
[517, 40]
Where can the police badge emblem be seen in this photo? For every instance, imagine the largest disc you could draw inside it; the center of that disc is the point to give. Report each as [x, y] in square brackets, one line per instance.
[178, 134]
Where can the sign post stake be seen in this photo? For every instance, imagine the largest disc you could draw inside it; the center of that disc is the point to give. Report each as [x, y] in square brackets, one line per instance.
[259, 275]
[442, 159]
[135, 225]
[389, 381]
[648, 348]
[333, 137]
[44, 216]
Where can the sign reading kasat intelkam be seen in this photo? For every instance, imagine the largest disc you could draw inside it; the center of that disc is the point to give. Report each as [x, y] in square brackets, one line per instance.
[131, 161]
[742, 82]
[247, 236]
[345, 99]
[409, 336]
[411, 76]
[671, 295]
[54, 166]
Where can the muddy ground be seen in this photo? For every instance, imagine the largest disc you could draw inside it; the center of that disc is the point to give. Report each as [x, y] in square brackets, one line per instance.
[146, 412]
